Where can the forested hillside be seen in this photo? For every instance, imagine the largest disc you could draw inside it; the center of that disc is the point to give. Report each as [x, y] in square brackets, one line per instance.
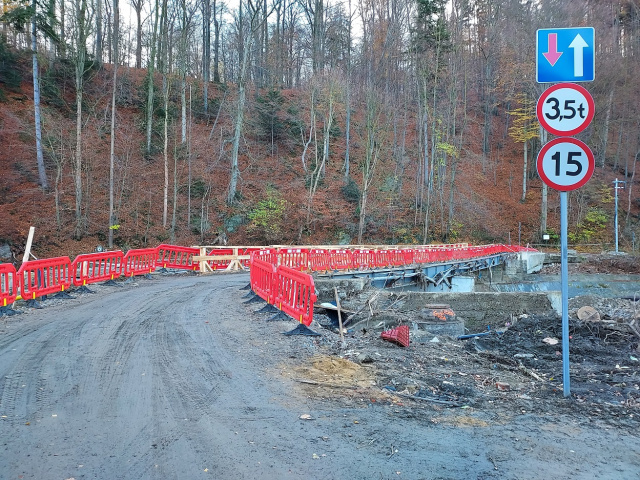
[306, 122]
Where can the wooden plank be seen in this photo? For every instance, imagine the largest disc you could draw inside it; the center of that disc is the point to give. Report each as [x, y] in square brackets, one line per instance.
[205, 258]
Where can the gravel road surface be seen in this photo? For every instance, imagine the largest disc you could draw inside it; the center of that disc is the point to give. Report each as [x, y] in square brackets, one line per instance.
[174, 378]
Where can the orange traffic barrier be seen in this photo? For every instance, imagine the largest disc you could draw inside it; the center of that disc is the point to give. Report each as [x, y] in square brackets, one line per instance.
[262, 276]
[173, 256]
[43, 277]
[296, 294]
[296, 258]
[140, 261]
[8, 284]
[363, 259]
[341, 260]
[96, 267]
[319, 260]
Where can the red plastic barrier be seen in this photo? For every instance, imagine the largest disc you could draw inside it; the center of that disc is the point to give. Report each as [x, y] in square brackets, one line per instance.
[438, 254]
[249, 251]
[399, 335]
[296, 294]
[42, 277]
[396, 258]
[319, 260]
[383, 258]
[407, 254]
[296, 258]
[267, 254]
[8, 284]
[341, 259]
[173, 256]
[262, 276]
[363, 259]
[421, 255]
[140, 261]
[96, 267]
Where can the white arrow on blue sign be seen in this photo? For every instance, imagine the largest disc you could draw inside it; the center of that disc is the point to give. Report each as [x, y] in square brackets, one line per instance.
[565, 55]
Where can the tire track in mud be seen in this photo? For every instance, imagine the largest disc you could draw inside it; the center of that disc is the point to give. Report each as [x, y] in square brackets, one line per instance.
[86, 361]
[26, 385]
[186, 384]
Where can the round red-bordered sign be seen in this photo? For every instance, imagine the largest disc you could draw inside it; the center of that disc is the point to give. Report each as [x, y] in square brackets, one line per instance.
[565, 109]
[565, 164]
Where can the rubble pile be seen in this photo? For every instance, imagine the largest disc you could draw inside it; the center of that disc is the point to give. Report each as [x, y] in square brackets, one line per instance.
[518, 367]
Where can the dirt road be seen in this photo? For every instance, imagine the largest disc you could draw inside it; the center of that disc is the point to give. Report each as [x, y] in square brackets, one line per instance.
[174, 378]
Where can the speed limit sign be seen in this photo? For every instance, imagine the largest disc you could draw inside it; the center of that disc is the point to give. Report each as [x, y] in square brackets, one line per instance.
[565, 164]
[565, 109]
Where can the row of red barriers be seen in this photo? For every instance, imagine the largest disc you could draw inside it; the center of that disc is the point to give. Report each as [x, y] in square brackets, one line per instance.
[277, 275]
[36, 278]
[42, 277]
[324, 260]
[291, 290]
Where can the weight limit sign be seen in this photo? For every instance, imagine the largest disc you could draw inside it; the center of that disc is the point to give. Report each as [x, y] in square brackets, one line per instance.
[565, 164]
[565, 109]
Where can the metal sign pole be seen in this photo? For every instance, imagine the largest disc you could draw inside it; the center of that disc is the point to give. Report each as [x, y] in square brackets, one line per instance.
[564, 270]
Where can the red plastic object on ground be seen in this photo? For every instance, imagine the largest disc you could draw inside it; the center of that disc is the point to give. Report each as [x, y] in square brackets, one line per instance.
[8, 284]
[399, 335]
[42, 277]
[173, 256]
[140, 261]
[96, 267]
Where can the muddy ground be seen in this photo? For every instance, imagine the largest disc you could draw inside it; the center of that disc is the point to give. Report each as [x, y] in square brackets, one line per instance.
[176, 378]
[597, 263]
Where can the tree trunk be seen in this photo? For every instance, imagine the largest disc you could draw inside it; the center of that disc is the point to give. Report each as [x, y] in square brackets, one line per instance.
[237, 133]
[150, 69]
[545, 193]
[98, 44]
[112, 156]
[165, 203]
[81, 49]
[206, 52]
[137, 5]
[630, 182]
[605, 133]
[245, 53]
[189, 140]
[78, 164]
[174, 213]
[216, 45]
[63, 38]
[362, 217]
[524, 173]
[42, 174]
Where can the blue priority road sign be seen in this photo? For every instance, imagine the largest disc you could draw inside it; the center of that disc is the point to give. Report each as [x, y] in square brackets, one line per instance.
[565, 55]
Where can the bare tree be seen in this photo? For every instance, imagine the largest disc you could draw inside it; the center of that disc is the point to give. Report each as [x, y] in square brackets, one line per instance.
[137, 6]
[254, 22]
[373, 134]
[82, 29]
[112, 156]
